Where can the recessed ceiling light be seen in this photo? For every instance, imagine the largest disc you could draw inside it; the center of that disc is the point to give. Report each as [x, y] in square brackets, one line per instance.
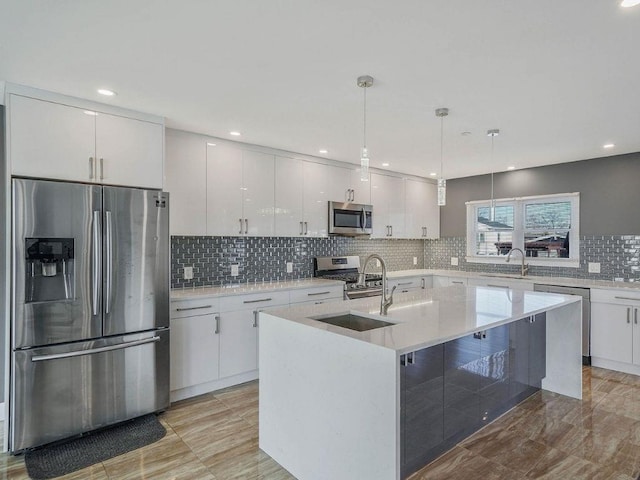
[629, 3]
[609, 145]
[211, 144]
[511, 167]
[433, 174]
[89, 112]
[385, 164]
[323, 150]
[106, 92]
[234, 133]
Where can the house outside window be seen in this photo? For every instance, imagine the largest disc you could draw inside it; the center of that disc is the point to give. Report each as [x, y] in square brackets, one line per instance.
[545, 227]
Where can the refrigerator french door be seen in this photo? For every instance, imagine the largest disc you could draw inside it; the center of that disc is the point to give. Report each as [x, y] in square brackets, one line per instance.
[90, 308]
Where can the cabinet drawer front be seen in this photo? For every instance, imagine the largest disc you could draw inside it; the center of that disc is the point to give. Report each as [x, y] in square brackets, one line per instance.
[254, 301]
[316, 294]
[190, 308]
[622, 296]
[405, 283]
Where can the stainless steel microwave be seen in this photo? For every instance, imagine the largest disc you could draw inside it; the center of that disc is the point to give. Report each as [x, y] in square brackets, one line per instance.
[350, 219]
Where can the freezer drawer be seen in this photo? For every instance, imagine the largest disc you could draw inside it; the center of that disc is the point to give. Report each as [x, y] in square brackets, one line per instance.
[65, 390]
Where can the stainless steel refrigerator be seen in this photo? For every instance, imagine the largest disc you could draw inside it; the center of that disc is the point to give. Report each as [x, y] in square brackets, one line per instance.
[90, 308]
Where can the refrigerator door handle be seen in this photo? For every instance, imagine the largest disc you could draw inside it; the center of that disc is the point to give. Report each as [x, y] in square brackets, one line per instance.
[97, 273]
[78, 353]
[108, 260]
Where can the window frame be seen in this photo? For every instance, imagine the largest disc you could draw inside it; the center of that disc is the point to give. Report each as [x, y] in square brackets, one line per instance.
[519, 229]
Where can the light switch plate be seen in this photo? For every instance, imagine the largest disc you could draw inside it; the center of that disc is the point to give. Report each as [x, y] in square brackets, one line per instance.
[454, 261]
[594, 267]
[188, 273]
[235, 270]
[289, 267]
[415, 260]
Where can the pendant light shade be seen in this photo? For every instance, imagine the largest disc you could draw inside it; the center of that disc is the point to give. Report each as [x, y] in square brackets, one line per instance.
[364, 82]
[442, 183]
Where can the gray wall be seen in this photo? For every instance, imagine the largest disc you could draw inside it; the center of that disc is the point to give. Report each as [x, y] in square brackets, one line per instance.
[609, 193]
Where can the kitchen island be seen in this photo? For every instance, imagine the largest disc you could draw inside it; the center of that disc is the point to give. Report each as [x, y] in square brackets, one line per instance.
[378, 404]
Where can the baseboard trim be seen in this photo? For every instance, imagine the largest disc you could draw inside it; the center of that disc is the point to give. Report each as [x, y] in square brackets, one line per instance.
[617, 366]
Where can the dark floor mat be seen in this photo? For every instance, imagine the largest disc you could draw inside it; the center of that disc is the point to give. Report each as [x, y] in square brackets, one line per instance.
[63, 458]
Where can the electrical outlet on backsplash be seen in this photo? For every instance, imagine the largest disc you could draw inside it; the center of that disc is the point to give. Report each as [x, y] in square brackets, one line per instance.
[618, 256]
[264, 259]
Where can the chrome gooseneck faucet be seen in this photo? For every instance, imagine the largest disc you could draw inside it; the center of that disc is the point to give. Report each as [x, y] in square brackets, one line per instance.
[385, 302]
[524, 269]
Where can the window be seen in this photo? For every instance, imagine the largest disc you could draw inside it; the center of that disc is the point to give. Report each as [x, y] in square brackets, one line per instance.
[545, 227]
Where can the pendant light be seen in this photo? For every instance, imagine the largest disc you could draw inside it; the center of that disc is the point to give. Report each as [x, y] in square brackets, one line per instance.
[493, 133]
[364, 82]
[442, 183]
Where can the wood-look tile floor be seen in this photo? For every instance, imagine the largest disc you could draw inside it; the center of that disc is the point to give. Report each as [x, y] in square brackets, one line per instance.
[548, 436]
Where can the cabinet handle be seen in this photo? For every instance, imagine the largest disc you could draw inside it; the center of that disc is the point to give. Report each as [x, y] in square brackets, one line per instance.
[318, 293]
[301, 229]
[353, 195]
[193, 308]
[246, 226]
[255, 318]
[102, 169]
[240, 220]
[635, 316]
[498, 286]
[628, 314]
[391, 227]
[628, 298]
[388, 230]
[91, 168]
[404, 283]
[306, 228]
[217, 330]
[458, 283]
[423, 284]
[259, 300]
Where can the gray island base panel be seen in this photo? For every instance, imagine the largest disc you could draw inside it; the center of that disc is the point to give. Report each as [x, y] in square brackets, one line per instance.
[379, 404]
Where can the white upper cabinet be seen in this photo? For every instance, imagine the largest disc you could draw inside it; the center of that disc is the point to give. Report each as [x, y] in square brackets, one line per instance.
[289, 192]
[52, 140]
[388, 200]
[315, 199]
[360, 191]
[128, 151]
[240, 191]
[186, 170]
[422, 216]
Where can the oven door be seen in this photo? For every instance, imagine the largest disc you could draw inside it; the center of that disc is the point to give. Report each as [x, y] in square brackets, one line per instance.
[350, 219]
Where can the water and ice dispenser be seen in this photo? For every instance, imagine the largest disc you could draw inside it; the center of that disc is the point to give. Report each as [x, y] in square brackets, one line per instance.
[49, 267]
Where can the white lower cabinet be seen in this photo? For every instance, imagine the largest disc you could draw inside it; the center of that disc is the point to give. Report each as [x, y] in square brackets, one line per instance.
[195, 342]
[239, 330]
[505, 283]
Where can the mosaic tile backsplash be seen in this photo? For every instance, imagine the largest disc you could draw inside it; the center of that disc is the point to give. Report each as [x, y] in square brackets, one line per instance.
[618, 255]
[261, 259]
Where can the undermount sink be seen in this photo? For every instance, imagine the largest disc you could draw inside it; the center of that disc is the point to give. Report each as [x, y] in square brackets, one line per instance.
[517, 277]
[353, 322]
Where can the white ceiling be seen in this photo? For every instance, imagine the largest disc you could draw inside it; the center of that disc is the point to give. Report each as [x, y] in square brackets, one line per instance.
[558, 78]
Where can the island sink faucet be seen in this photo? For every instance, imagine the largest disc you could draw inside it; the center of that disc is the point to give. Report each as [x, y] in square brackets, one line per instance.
[525, 267]
[385, 302]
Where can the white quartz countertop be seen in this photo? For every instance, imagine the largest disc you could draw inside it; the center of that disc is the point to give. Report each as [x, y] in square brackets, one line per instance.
[563, 281]
[433, 316]
[245, 288]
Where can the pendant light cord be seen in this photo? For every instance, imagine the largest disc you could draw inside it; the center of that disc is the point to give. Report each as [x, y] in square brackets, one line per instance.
[441, 146]
[492, 201]
[364, 130]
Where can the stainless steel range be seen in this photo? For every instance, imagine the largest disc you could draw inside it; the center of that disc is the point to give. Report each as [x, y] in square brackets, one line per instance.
[347, 268]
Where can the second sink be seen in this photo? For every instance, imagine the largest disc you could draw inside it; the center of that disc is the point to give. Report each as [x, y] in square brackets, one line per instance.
[352, 322]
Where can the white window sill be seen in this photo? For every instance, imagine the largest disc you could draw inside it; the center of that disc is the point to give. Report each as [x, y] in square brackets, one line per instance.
[536, 261]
